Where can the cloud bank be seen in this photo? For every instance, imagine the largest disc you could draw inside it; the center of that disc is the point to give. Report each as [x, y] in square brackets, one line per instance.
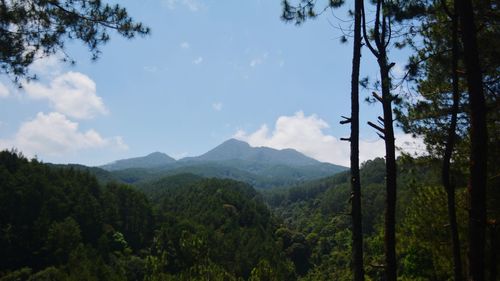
[71, 93]
[306, 134]
[53, 134]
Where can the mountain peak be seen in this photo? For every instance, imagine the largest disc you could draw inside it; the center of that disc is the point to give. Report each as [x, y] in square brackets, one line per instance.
[235, 142]
[152, 160]
[157, 154]
[260, 166]
[234, 149]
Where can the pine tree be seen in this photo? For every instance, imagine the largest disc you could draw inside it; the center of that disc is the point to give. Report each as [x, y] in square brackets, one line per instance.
[299, 14]
[30, 29]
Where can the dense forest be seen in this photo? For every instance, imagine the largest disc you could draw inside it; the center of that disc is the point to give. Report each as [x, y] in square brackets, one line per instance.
[432, 217]
[60, 223]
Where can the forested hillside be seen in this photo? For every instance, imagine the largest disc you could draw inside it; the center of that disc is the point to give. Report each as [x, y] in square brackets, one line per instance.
[269, 204]
[319, 211]
[59, 223]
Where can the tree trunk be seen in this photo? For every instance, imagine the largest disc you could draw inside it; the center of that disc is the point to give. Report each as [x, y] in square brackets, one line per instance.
[390, 166]
[449, 147]
[479, 142]
[494, 251]
[381, 36]
[357, 231]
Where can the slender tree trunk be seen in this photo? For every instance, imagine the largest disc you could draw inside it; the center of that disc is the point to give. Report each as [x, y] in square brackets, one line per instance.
[494, 251]
[381, 37]
[357, 231]
[449, 147]
[390, 166]
[479, 143]
[457, 260]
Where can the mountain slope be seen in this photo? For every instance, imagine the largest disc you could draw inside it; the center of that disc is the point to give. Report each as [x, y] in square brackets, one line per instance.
[153, 160]
[261, 167]
[238, 150]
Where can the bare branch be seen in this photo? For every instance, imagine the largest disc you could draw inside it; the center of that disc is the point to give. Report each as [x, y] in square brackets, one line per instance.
[365, 34]
[346, 120]
[377, 97]
[377, 127]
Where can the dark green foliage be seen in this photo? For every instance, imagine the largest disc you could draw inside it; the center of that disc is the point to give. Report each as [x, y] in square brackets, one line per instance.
[59, 223]
[319, 211]
[129, 212]
[62, 238]
[161, 188]
[301, 10]
[102, 175]
[452, 67]
[49, 274]
[22, 274]
[225, 213]
[47, 212]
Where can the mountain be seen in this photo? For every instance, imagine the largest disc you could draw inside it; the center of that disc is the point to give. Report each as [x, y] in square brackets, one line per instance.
[151, 161]
[238, 150]
[262, 167]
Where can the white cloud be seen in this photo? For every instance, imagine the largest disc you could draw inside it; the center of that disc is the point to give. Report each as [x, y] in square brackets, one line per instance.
[198, 60]
[185, 45]
[217, 106]
[179, 155]
[54, 135]
[72, 93]
[408, 144]
[47, 65]
[259, 60]
[192, 5]
[306, 134]
[4, 91]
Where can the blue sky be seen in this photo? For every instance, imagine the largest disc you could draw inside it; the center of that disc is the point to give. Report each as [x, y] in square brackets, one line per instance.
[209, 71]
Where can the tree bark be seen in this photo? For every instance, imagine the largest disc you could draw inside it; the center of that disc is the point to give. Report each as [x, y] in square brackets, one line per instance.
[449, 147]
[381, 37]
[390, 166]
[479, 143]
[494, 251]
[357, 231]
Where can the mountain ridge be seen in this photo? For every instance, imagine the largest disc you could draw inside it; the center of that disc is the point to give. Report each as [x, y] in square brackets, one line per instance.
[152, 160]
[262, 167]
[234, 149]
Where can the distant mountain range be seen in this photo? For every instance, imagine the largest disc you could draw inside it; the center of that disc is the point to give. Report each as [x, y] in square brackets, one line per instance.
[150, 161]
[238, 150]
[262, 167]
